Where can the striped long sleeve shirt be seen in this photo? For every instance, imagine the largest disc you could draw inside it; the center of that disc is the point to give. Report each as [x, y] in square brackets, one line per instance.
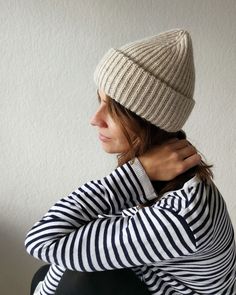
[182, 244]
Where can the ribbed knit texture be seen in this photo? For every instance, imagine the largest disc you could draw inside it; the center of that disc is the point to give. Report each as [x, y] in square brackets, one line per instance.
[153, 77]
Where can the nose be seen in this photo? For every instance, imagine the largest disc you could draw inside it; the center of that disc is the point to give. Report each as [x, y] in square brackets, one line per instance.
[93, 120]
[98, 119]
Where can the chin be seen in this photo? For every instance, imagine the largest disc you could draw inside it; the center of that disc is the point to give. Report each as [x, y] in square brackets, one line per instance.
[110, 151]
[110, 148]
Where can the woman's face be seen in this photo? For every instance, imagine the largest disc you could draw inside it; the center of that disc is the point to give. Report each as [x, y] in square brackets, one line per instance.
[110, 134]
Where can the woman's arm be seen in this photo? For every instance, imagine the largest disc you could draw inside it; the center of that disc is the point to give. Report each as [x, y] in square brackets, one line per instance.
[51, 281]
[95, 196]
[72, 236]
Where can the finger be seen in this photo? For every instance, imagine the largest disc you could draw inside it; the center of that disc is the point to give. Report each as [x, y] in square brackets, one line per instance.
[192, 161]
[179, 144]
[187, 151]
[172, 140]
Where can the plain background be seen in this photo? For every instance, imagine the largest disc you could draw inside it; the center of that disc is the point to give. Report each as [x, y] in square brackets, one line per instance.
[48, 53]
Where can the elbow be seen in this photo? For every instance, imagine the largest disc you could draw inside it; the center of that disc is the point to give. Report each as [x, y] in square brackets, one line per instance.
[27, 245]
[31, 245]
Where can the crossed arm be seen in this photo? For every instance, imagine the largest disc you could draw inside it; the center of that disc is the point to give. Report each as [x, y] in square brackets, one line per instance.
[71, 236]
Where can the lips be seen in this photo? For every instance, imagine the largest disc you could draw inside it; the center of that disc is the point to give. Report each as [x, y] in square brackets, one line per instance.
[103, 137]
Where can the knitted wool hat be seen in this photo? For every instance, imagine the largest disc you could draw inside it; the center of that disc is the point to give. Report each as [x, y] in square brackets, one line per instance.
[153, 77]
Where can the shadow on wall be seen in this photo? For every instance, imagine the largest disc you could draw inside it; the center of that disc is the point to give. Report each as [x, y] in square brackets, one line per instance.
[17, 267]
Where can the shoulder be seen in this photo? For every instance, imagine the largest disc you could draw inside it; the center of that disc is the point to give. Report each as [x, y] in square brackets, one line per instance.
[193, 194]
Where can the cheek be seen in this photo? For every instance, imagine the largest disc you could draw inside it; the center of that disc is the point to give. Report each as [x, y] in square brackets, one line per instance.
[117, 134]
[118, 137]
[121, 142]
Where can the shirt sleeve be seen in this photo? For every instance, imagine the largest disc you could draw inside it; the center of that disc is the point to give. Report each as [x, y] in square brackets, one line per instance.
[71, 235]
[51, 281]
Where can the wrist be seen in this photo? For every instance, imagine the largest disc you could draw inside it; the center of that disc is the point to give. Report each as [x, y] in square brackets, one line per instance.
[144, 179]
[144, 163]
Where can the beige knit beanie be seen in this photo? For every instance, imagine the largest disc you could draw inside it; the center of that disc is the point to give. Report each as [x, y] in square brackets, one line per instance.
[153, 77]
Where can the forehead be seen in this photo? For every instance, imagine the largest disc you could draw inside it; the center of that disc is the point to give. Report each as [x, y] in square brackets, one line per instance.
[101, 94]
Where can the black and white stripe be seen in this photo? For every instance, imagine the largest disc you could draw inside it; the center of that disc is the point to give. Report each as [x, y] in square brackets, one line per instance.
[183, 244]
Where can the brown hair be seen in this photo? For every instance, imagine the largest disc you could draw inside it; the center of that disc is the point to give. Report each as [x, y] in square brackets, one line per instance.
[144, 136]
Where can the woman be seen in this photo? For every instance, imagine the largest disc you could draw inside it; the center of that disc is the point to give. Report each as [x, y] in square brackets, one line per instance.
[157, 224]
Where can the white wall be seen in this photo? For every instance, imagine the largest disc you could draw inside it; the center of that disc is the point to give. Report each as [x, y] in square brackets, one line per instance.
[48, 53]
